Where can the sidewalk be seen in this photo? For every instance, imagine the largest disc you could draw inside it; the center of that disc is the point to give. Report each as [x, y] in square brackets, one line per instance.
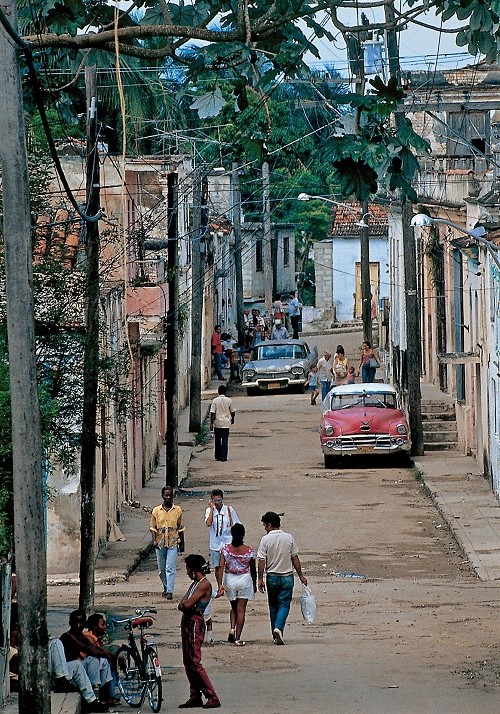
[465, 500]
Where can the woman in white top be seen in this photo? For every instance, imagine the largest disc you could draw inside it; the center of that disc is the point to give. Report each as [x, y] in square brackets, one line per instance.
[340, 366]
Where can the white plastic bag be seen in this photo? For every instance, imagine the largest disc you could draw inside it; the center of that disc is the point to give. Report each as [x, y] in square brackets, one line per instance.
[308, 605]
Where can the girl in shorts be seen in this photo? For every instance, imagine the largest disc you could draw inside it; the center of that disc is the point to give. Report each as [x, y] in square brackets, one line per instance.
[312, 384]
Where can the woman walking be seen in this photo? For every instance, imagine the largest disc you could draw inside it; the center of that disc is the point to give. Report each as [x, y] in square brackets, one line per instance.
[368, 363]
[237, 577]
[192, 606]
[340, 366]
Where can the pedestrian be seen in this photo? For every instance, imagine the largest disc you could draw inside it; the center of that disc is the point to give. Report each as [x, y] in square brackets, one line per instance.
[351, 375]
[192, 606]
[96, 631]
[294, 314]
[325, 373]
[278, 558]
[221, 418]
[340, 366]
[279, 331]
[220, 519]
[95, 661]
[368, 363]
[217, 351]
[312, 383]
[278, 312]
[237, 577]
[167, 535]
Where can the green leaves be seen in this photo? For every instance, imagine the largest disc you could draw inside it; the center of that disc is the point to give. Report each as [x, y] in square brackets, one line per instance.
[355, 178]
[481, 35]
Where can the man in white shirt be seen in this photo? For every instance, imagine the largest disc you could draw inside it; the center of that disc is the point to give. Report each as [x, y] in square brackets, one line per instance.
[279, 331]
[278, 557]
[294, 314]
[325, 373]
[221, 417]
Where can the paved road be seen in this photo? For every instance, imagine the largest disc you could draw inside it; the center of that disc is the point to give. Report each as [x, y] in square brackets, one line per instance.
[417, 634]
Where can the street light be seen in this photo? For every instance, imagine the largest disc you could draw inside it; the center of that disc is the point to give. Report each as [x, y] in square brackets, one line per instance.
[366, 292]
[422, 220]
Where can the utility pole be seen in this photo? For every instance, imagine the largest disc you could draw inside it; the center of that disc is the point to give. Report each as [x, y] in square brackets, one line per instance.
[366, 293]
[29, 499]
[200, 222]
[172, 332]
[238, 263]
[91, 354]
[267, 256]
[413, 347]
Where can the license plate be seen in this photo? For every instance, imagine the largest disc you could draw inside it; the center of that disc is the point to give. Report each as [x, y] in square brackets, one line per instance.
[365, 449]
[273, 385]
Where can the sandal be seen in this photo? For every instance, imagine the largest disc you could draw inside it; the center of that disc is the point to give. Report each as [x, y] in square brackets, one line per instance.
[239, 643]
[231, 637]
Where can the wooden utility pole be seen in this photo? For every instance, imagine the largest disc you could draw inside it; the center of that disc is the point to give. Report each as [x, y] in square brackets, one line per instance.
[91, 354]
[412, 302]
[29, 499]
[238, 262]
[200, 221]
[172, 333]
[366, 293]
[267, 256]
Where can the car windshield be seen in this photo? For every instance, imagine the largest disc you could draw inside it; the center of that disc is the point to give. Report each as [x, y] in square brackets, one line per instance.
[268, 351]
[366, 399]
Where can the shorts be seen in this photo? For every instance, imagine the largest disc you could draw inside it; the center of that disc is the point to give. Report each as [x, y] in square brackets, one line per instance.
[214, 558]
[238, 586]
[313, 388]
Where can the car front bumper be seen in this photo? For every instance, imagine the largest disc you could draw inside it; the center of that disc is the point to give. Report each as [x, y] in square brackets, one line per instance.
[375, 444]
[274, 383]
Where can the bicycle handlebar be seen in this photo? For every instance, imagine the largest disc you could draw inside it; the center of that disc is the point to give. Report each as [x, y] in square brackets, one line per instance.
[138, 613]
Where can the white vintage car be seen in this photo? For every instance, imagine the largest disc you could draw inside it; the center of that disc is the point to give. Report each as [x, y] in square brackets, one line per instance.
[278, 364]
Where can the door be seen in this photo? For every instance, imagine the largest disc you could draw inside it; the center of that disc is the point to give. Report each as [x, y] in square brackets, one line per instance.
[374, 287]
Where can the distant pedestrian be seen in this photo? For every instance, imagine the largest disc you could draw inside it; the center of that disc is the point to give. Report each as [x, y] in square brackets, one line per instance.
[312, 383]
[325, 373]
[278, 312]
[278, 558]
[279, 331]
[192, 606]
[351, 375]
[294, 307]
[368, 363]
[340, 366]
[221, 418]
[217, 350]
[167, 535]
[237, 577]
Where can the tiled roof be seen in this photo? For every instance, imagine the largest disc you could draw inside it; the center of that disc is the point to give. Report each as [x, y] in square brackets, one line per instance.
[344, 220]
[57, 239]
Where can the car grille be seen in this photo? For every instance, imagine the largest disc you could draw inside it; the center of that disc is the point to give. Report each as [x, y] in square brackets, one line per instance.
[273, 375]
[376, 441]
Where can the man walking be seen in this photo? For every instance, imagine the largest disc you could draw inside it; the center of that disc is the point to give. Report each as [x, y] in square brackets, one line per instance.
[294, 314]
[278, 557]
[325, 373]
[221, 417]
[167, 535]
[217, 351]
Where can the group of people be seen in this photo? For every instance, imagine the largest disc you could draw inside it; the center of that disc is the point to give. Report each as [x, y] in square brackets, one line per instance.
[239, 572]
[337, 371]
[257, 329]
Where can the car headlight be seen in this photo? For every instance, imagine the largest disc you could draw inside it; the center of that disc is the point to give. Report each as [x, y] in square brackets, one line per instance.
[401, 429]
[297, 369]
[249, 373]
[329, 430]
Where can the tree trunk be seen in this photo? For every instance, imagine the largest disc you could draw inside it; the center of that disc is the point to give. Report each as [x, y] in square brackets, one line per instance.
[267, 255]
[29, 500]
[238, 263]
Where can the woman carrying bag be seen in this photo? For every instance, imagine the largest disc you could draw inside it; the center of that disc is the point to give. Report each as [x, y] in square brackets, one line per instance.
[368, 363]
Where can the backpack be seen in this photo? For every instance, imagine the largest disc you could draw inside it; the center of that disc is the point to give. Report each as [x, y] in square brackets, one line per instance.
[340, 369]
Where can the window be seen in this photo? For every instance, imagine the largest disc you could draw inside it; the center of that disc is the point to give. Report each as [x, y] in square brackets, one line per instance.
[286, 250]
[468, 131]
[259, 263]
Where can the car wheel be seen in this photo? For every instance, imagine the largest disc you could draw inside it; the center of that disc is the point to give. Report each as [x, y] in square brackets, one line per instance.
[252, 391]
[330, 461]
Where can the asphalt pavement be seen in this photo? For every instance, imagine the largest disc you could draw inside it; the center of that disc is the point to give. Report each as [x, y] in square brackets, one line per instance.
[455, 483]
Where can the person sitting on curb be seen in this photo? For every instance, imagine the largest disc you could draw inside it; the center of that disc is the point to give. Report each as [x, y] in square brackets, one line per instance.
[72, 677]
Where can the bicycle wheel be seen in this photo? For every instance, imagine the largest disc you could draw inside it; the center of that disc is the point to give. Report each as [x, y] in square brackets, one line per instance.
[128, 673]
[153, 677]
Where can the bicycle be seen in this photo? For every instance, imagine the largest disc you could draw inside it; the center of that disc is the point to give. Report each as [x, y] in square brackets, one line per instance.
[139, 672]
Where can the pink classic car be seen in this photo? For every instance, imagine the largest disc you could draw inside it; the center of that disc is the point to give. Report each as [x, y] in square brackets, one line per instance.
[363, 419]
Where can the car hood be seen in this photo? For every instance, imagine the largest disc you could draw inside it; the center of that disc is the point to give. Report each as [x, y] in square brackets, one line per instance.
[352, 420]
[274, 365]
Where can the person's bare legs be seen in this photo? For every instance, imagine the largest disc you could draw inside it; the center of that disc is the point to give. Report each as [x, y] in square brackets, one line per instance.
[240, 608]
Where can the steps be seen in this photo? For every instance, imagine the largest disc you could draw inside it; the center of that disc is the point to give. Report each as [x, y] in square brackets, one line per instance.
[440, 426]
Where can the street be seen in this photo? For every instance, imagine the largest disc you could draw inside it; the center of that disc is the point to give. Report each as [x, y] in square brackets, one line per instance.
[418, 633]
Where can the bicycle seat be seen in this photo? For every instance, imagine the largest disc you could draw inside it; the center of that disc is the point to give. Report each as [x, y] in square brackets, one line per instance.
[141, 622]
